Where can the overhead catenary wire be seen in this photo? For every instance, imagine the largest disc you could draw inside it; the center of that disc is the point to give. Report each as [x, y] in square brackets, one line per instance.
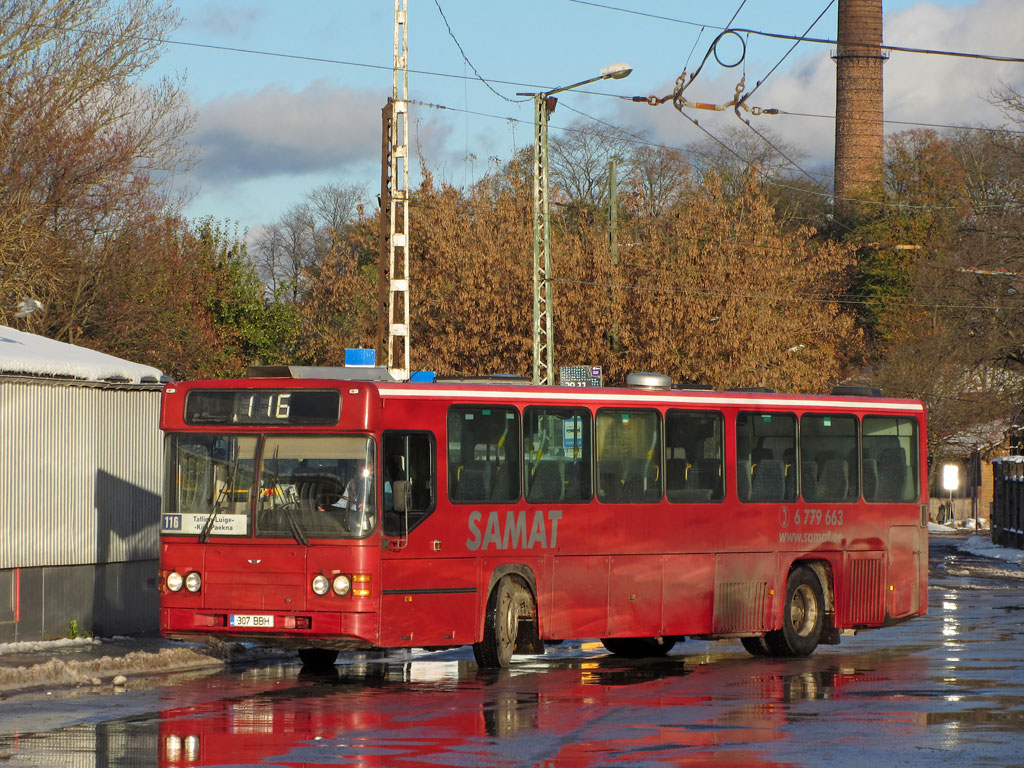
[458, 45]
[519, 84]
[760, 82]
[818, 40]
[632, 138]
[849, 300]
[910, 123]
[389, 69]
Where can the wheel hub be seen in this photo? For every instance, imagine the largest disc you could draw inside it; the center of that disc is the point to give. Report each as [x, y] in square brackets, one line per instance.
[803, 613]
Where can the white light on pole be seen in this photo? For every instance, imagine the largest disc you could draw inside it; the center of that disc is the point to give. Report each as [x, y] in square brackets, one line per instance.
[950, 482]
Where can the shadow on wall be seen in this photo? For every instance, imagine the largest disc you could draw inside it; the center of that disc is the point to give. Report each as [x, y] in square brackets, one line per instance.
[125, 599]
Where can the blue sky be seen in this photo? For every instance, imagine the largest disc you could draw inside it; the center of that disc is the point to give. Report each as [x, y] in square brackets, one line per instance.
[271, 129]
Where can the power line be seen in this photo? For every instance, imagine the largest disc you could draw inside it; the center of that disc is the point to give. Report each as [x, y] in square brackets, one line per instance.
[744, 2]
[910, 123]
[290, 56]
[634, 139]
[480, 77]
[518, 84]
[801, 38]
[848, 300]
[786, 54]
[760, 82]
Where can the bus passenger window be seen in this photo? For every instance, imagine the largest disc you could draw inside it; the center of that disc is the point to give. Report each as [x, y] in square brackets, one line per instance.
[765, 447]
[830, 459]
[693, 456]
[890, 459]
[483, 453]
[628, 455]
[557, 455]
[408, 480]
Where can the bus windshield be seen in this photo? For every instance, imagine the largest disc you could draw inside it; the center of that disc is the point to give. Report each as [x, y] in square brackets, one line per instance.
[316, 486]
[295, 487]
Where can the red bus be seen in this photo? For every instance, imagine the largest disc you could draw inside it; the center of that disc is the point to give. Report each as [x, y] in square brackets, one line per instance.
[330, 511]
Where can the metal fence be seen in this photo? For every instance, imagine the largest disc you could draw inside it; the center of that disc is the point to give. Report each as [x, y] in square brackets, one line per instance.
[80, 467]
[1008, 501]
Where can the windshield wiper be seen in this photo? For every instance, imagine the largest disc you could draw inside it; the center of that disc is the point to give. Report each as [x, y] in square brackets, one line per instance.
[289, 513]
[204, 535]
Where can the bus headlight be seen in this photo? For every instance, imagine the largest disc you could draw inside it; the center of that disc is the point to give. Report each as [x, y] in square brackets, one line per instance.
[174, 581]
[192, 748]
[320, 584]
[193, 582]
[342, 585]
[172, 748]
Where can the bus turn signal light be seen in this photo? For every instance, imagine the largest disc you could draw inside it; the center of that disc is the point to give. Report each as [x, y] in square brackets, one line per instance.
[361, 585]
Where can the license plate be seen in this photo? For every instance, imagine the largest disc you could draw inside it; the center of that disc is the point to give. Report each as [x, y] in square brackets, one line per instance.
[251, 620]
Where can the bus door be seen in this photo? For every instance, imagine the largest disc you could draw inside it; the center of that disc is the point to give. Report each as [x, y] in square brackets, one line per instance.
[428, 597]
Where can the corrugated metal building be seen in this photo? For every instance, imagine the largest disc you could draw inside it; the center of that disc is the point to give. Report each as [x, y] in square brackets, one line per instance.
[80, 469]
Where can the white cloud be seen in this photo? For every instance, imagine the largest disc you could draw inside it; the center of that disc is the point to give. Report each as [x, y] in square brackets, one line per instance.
[943, 89]
[232, 19]
[277, 131]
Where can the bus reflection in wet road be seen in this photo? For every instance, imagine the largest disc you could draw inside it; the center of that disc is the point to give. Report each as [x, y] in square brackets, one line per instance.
[944, 689]
[723, 710]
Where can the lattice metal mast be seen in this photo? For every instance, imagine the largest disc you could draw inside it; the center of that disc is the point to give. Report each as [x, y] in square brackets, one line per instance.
[398, 241]
[543, 330]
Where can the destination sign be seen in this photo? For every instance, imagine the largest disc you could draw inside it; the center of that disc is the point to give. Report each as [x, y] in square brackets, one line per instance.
[267, 407]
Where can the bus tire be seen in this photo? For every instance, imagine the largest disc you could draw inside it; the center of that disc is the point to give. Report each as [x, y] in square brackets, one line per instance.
[317, 658]
[509, 600]
[803, 616]
[756, 646]
[638, 647]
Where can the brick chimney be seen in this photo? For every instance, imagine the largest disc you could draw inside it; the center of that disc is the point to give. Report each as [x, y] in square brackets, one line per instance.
[859, 170]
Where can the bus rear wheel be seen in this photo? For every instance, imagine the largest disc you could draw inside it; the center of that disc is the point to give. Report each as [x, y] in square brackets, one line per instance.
[509, 602]
[803, 616]
[317, 658]
[638, 647]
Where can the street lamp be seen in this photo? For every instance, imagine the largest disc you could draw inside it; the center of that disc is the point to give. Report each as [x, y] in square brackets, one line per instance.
[543, 331]
[950, 483]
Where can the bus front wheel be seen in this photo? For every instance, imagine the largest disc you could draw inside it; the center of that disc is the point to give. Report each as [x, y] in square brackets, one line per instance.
[803, 616]
[638, 647]
[508, 603]
[317, 658]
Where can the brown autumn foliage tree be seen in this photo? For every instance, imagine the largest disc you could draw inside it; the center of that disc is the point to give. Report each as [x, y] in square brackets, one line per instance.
[81, 142]
[470, 273]
[948, 297]
[714, 290]
[717, 293]
[184, 300]
[340, 304]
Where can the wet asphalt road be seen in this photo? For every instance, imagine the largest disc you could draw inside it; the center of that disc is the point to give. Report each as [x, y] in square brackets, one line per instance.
[945, 689]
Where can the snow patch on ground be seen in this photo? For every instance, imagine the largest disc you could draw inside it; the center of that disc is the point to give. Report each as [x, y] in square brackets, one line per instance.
[92, 661]
[58, 671]
[44, 646]
[967, 524]
[983, 546]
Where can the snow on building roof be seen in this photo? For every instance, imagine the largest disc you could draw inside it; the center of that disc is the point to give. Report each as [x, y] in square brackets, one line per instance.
[27, 354]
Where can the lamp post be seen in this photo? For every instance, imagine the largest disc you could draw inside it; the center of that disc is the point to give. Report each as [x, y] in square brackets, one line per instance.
[543, 331]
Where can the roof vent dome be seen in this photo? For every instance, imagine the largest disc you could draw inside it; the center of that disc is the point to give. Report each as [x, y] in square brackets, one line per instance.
[649, 381]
